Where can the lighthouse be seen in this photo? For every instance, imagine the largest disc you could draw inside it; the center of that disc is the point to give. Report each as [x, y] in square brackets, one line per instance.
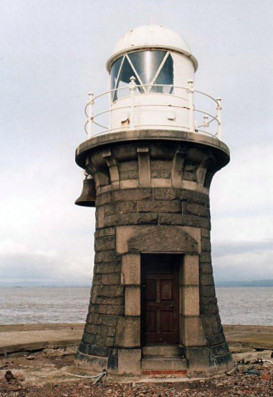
[154, 143]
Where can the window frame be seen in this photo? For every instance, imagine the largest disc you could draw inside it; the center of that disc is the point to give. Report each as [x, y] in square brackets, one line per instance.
[146, 88]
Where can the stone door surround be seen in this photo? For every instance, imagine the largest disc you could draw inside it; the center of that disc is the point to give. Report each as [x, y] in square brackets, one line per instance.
[131, 242]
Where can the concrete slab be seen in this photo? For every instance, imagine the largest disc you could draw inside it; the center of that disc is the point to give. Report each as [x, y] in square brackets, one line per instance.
[16, 338]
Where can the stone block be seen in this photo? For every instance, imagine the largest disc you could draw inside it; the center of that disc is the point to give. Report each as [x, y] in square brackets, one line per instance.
[109, 209]
[129, 361]
[206, 279]
[210, 325]
[128, 332]
[158, 206]
[112, 364]
[209, 309]
[95, 350]
[123, 234]
[108, 268]
[111, 331]
[108, 231]
[125, 207]
[164, 194]
[216, 339]
[131, 219]
[189, 301]
[164, 173]
[192, 196]
[206, 245]
[109, 342]
[195, 209]
[96, 279]
[127, 175]
[89, 338]
[83, 347]
[93, 318]
[106, 309]
[129, 184]
[192, 331]
[132, 301]
[111, 290]
[91, 329]
[106, 256]
[100, 217]
[190, 270]
[105, 243]
[208, 300]
[194, 232]
[205, 257]
[103, 198]
[103, 330]
[184, 220]
[94, 293]
[205, 233]
[110, 321]
[130, 269]
[110, 279]
[144, 166]
[94, 363]
[225, 360]
[220, 349]
[162, 239]
[199, 359]
[128, 194]
[110, 301]
[147, 219]
[128, 166]
[160, 165]
[206, 268]
[207, 290]
[161, 182]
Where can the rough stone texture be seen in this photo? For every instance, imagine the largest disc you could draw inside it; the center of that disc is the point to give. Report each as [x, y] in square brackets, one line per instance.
[150, 200]
[129, 361]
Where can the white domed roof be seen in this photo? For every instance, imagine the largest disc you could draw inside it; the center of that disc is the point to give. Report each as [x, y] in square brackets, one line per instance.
[151, 36]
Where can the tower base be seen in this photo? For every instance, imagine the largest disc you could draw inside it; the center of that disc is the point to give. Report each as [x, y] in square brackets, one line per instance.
[153, 304]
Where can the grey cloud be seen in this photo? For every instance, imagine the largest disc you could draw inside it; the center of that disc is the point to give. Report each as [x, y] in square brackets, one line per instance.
[29, 267]
[241, 247]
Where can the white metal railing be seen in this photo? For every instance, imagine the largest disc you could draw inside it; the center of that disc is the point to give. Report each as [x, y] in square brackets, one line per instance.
[202, 125]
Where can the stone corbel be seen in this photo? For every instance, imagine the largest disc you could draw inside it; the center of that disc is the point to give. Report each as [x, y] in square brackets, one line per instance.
[112, 165]
[178, 164]
[100, 178]
[144, 166]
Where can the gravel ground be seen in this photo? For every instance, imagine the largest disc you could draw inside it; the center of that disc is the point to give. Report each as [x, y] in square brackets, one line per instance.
[46, 374]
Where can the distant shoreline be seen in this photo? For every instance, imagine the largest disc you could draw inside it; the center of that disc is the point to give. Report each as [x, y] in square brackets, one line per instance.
[220, 284]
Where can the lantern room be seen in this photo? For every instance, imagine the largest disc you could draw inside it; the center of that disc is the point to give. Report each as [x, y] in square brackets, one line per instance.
[148, 70]
[151, 86]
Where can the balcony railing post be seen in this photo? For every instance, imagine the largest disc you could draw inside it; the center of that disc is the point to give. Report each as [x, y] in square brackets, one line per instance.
[90, 114]
[205, 123]
[132, 87]
[219, 117]
[190, 90]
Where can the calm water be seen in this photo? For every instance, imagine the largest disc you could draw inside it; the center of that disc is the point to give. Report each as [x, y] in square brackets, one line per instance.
[69, 305]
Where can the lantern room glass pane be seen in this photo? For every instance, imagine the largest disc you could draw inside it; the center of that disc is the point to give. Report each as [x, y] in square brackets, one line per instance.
[114, 72]
[147, 63]
[165, 77]
[144, 66]
[126, 73]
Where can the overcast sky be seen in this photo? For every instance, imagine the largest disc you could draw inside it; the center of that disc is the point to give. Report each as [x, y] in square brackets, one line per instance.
[52, 53]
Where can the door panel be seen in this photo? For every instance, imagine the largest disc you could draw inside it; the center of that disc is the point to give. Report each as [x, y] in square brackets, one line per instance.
[159, 299]
[166, 290]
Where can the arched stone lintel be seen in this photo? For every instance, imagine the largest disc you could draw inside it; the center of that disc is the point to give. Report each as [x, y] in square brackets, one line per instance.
[162, 239]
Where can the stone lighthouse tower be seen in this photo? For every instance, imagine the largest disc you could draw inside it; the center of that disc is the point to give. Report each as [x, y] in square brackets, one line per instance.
[149, 160]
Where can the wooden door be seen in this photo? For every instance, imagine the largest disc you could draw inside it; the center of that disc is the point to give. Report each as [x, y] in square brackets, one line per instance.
[159, 299]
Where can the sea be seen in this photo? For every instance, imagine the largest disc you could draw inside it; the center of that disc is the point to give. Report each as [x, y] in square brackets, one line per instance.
[41, 305]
